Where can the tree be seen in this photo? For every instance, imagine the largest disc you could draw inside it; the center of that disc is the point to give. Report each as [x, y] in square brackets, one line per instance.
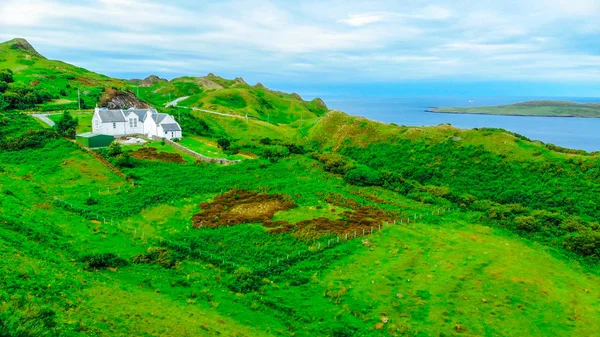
[224, 144]
[3, 86]
[67, 125]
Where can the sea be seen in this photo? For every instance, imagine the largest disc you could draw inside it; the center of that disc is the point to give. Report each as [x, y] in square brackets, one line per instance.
[569, 132]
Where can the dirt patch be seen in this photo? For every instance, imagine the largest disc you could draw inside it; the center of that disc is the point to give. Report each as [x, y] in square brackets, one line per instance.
[237, 207]
[152, 154]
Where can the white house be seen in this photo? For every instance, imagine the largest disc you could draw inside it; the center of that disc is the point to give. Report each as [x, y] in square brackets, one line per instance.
[146, 122]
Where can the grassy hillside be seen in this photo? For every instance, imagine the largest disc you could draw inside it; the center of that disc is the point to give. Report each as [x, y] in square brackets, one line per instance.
[231, 97]
[533, 108]
[331, 225]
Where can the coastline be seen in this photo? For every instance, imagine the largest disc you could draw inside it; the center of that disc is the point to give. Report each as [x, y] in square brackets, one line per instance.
[431, 110]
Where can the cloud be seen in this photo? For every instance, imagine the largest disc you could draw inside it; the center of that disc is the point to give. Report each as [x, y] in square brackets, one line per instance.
[332, 40]
[358, 20]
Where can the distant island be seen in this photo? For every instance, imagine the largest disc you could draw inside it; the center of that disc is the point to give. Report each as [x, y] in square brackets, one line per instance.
[532, 108]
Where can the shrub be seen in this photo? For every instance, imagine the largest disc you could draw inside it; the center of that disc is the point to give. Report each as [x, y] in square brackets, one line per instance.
[115, 149]
[275, 152]
[91, 201]
[31, 139]
[363, 176]
[125, 160]
[103, 260]
[159, 256]
[223, 143]
[586, 243]
[527, 223]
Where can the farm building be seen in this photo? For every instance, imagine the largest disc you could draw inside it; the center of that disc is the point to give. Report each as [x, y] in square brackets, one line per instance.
[91, 140]
[146, 122]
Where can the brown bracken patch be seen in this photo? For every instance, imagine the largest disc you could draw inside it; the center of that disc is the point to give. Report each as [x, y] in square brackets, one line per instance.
[237, 207]
[361, 219]
[152, 154]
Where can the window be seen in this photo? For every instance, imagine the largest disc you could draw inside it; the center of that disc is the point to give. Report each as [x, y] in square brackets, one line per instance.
[130, 122]
[133, 122]
[114, 125]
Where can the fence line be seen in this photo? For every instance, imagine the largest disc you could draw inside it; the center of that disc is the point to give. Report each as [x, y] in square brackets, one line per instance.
[319, 245]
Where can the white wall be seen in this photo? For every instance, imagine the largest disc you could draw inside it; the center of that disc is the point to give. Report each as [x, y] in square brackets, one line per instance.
[133, 130]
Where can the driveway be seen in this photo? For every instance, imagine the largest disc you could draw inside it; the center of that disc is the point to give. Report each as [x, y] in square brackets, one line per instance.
[44, 118]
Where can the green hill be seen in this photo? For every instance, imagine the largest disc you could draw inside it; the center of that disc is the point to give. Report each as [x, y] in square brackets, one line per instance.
[42, 84]
[232, 97]
[331, 225]
[532, 108]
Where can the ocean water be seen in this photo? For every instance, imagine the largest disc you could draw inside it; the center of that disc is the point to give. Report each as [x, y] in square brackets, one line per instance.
[574, 133]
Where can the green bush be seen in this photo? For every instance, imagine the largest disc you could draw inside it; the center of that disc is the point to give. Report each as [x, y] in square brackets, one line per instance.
[223, 144]
[66, 125]
[103, 261]
[363, 176]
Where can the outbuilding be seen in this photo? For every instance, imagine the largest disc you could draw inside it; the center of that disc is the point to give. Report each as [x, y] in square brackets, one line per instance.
[92, 140]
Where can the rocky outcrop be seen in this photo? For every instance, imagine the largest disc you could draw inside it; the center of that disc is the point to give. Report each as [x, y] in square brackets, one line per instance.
[22, 44]
[207, 84]
[319, 103]
[240, 80]
[151, 80]
[115, 99]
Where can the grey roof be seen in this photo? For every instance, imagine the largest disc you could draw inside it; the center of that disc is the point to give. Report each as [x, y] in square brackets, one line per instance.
[158, 117]
[171, 127]
[141, 113]
[108, 116]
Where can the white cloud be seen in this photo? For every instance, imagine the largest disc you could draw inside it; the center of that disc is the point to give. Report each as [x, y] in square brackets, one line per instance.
[344, 39]
[359, 20]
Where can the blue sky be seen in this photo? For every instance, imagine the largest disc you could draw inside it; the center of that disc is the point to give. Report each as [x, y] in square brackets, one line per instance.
[527, 47]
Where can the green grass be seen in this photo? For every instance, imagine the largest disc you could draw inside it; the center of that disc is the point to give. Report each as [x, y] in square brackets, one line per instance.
[534, 108]
[473, 272]
[84, 117]
[207, 147]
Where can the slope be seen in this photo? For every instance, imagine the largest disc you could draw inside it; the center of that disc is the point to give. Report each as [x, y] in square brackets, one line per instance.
[214, 93]
[42, 84]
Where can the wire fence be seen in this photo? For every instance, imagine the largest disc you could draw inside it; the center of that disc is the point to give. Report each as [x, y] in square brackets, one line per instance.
[194, 249]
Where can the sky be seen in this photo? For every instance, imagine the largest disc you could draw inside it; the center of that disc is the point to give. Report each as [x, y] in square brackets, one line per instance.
[526, 47]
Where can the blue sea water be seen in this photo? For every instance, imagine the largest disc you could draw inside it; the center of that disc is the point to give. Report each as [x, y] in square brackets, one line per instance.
[575, 133]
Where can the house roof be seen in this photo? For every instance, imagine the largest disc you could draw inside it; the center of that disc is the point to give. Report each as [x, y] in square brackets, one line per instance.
[171, 127]
[111, 116]
[159, 117]
[141, 113]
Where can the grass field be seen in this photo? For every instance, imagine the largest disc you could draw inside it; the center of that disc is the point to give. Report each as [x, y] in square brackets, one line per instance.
[309, 238]
[207, 147]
